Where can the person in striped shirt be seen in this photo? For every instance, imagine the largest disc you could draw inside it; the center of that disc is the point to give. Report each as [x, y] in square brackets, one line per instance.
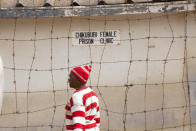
[82, 110]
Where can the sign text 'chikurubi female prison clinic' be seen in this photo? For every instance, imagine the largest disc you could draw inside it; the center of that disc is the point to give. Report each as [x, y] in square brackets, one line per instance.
[96, 37]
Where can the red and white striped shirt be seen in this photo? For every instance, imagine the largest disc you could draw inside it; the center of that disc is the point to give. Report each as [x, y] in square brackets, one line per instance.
[82, 111]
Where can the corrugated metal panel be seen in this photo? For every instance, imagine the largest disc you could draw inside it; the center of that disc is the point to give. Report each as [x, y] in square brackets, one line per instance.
[115, 1]
[8, 3]
[38, 2]
[14, 3]
[142, 1]
[86, 2]
[48, 3]
[33, 3]
[63, 3]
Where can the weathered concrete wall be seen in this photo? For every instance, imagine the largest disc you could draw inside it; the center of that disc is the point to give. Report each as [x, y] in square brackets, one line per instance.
[192, 64]
[1, 82]
[94, 10]
[26, 48]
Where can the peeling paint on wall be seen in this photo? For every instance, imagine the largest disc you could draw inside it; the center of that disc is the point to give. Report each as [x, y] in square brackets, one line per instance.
[97, 10]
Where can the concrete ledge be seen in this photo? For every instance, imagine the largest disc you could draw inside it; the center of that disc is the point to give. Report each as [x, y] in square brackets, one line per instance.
[139, 8]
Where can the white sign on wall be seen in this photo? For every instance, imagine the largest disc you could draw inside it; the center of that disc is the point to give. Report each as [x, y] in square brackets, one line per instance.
[111, 37]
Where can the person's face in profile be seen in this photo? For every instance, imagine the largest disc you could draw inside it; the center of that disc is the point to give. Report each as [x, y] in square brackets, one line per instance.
[74, 82]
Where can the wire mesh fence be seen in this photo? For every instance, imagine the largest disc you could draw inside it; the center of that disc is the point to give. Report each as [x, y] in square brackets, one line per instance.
[145, 83]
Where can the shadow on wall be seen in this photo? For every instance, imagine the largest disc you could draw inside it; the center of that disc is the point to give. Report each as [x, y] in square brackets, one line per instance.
[192, 86]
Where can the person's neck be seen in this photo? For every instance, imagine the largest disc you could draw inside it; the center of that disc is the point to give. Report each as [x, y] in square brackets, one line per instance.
[80, 87]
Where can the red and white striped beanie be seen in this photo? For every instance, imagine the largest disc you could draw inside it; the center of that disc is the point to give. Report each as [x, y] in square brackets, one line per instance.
[82, 72]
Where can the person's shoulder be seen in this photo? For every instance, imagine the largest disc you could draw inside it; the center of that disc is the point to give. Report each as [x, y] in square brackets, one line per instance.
[76, 95]
[76, 99]
[91, 91]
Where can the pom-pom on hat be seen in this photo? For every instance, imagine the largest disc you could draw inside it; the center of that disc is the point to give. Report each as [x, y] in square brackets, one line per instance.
[82, 72]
